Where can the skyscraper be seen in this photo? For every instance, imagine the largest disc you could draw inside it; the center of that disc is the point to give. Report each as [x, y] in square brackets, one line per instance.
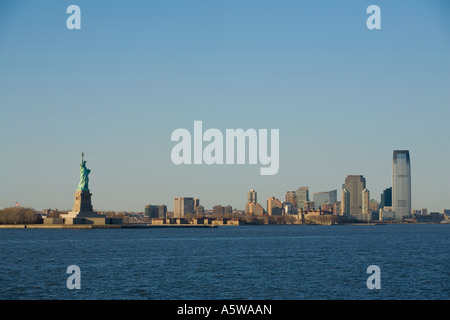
[302, 196]
[291, 197]
[401, 184]
[251, 196]
[355, 184]
[325, 197]
[365, 198]
[386, 198]
[345, 202]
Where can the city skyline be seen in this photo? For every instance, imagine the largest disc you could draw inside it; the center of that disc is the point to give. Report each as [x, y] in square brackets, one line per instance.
[356, 183]
[343, 97]
[348, 204]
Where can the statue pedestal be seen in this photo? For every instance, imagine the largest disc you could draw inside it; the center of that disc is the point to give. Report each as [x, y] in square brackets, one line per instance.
[82, 212]
[82, 201]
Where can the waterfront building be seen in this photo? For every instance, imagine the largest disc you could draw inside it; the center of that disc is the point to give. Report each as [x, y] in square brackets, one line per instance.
[401, 184]
[336, 208]
[365, 201]
[432, 217]
[254, 208]
[155, 211]
[374, 205]
[309, 206]
[196, 204]
[291, 197]
[345, 202]
[200, 210]
[151, 211]
[251, 196]
[183, 206]
[386, 214]
[329, 197]
[355, 184]
[274, 206]
[222, 210]
[288, 208]
[386, 198]
[302, 197]
[162, 211]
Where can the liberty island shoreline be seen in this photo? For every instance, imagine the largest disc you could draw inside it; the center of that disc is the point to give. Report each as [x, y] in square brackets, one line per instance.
[197, 226]
[106, 226]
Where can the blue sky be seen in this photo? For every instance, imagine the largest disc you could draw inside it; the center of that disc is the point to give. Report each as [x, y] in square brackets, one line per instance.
[343, 97]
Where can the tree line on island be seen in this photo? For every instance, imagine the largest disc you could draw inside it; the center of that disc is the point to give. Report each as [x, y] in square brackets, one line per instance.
[19, 215]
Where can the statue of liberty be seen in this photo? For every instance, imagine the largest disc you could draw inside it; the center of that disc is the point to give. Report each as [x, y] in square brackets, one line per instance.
[84, 175]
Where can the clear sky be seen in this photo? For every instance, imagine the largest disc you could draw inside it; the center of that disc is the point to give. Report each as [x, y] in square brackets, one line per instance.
[343, 97]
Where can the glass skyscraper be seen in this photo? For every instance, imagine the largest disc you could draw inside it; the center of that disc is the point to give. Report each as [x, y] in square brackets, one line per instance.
[386, 198]
[401, 184]
[325, 197]
[302, 196]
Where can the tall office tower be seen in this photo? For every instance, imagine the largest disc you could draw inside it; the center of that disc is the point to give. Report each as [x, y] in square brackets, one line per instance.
[365, 198]
[182, 206]
[325, 197]
[345, 202]
[302, 196]
[291, 197]
[401, 184]
[386, 198]
[251, 196]
[355, 184]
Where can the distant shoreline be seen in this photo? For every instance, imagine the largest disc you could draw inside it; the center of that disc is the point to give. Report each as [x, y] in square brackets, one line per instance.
[177, 226]
[93, 226]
